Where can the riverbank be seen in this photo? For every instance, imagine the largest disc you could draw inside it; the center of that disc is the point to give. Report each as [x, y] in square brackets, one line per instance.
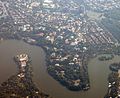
[114, 81]
[98, 78]
[105, 57]
[21, 84]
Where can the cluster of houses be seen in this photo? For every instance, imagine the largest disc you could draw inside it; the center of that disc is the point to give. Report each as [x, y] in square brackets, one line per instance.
[22, 60]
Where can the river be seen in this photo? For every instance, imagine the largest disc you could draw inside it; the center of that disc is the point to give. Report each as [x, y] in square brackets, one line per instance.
[98, 71]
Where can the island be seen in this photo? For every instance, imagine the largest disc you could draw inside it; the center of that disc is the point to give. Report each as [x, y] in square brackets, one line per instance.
[21, 84]
[106, 57]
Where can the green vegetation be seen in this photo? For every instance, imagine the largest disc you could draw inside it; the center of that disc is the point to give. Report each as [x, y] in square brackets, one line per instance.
[112, 22]
[115, 67]
[106, 57]
[18, 86]
[114, 14]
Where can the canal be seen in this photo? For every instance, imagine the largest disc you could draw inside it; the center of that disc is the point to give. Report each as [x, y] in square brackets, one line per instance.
[98, 71]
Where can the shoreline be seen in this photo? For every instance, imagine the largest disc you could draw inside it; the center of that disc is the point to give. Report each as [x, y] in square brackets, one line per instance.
[71, 84]
[21, 84]
[46, 82]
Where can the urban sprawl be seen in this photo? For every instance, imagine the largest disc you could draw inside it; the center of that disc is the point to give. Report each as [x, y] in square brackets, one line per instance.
[70, 31]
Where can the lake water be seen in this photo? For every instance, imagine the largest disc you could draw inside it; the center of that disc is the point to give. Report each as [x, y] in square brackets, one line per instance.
[98, 71]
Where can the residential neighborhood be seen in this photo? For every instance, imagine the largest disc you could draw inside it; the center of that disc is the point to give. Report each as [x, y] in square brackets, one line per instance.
[70, 32]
